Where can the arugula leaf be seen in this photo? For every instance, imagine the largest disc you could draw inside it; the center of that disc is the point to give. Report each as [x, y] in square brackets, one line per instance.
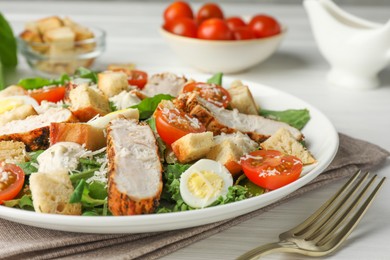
[35, 83]
[297, 118]
[148, 105]
[86, 74]
[28, 167]
[82, 175]
[216, 79]
[98, 190]
[78, 192]
[8, 54]
[24, 202]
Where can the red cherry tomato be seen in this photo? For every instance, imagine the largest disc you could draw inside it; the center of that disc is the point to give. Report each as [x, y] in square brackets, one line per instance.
[52, 94]
[214, 29]
[243, 33]
[211, 92]
[176, 10]
[207, 11]
[235, 22]
[171, 124]
[137, 78]
[183, 26]
[264, 26]
[271, 169]
[11, 181]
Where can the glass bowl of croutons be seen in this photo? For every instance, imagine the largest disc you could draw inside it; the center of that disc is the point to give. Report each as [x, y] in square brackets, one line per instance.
[54, 45]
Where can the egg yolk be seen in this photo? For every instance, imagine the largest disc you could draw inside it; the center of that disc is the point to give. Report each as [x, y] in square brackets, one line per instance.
[9, 104]
[205, 184]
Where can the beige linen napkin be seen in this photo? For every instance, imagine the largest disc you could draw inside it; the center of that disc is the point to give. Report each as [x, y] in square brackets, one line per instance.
[18, 241]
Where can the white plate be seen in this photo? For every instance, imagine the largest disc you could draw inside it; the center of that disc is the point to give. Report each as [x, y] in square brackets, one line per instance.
[321, 138]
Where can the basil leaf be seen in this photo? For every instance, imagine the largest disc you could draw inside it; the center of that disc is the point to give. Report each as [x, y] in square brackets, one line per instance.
[216, 79]
[8, 54]
[297, 118]
[148, 105]
[86, 74]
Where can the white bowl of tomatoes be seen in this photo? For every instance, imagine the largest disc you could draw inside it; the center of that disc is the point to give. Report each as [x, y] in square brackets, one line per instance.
[212, 43]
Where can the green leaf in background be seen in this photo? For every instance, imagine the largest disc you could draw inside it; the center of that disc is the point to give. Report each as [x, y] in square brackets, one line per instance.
[148, 105]
[297, 118]
[216, 79]
[86, 74]
[35, 83]
[8, 53]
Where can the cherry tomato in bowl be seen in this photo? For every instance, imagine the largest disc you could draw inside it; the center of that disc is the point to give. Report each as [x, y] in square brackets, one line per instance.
[208, 11]
[183, 26]
[178, 9]
[11, 181]
[214, 29]
[172, 124]
[235, 22]
[264, 26]
[271, 169]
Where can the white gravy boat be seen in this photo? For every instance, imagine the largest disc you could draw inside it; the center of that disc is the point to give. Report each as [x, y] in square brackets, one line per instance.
[356, 49]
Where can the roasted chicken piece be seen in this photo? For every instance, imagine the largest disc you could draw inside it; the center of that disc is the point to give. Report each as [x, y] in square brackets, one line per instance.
[134, 168]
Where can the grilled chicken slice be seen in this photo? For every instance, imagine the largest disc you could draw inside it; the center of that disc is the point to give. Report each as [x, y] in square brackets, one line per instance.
[220, 120]
[164, 83]
[134, 168]
[34, 130]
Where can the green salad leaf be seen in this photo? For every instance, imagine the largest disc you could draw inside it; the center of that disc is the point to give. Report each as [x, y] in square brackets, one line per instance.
[253, 189]
[8, 49]
[24, 202]
[29, 167]
[148, 105]
[86, 74]
[216, 79]
[297, 118]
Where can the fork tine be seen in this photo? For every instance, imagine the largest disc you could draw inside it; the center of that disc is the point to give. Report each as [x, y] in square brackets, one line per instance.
[314, 217]
[354, 221]
[330, 227]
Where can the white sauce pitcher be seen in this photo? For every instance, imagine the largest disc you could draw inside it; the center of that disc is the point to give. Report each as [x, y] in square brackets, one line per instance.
[356, 49]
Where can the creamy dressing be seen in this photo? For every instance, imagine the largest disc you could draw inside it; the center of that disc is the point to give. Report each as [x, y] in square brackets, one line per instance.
[125, 100]
[59, 157]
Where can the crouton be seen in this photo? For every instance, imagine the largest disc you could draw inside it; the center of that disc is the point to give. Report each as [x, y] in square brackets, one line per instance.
[87, 102]
[123, 66]
[284, 142]
[12, 152]
[229, 148]
[51, 193]
[242, 99]
[48, 23]
[12, 90]
[17, 113]
[112, 83]
[91, 137]
[193, 146]
[82, 33]
[60, 39]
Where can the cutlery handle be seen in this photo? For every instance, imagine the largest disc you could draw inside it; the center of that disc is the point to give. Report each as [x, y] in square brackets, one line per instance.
[282, 246]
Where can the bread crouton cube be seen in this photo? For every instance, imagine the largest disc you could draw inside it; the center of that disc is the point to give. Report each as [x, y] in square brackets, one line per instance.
[242, 99]
[51, 193]
[284, 142]
[87, 102]
[227, 153]
[12, 152]
[112, 83]
[17, 113]
[62, 38]
[193, 146]
[91, 137]
[49, 23]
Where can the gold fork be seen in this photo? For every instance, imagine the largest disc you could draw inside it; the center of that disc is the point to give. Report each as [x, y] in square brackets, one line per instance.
[325, 230]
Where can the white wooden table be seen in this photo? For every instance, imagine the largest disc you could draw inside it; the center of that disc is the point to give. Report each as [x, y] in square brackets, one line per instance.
[297, 68]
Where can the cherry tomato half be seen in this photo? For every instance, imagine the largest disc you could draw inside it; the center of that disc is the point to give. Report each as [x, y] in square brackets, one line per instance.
[211, 92]
[208, 11]
[183, 26]
[271, 169]
[171, 124]
[235, 22]
[52, 94]
[11, 181]
[177, 10]
[264, 26]
[214, 29]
